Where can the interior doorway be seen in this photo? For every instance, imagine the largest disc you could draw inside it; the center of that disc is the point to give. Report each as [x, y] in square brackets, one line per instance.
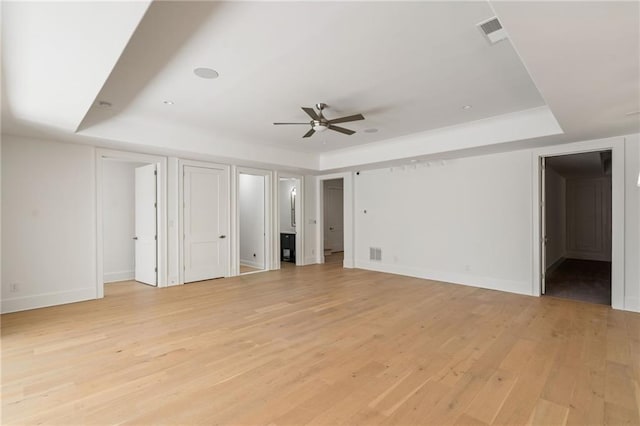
[576, 226]
[333, 220]
[290, 221]
[129, 221]
[253, 236]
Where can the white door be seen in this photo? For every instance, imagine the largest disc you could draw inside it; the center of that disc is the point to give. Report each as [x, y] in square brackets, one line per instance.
[333, 224]
[146, 253]
[543, 226]
[206, 248]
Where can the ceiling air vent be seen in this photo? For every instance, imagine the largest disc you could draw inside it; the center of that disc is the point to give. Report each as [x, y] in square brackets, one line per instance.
[492, 30]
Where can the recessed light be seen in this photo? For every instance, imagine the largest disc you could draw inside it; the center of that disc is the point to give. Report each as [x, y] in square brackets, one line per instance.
[208, 73]
[370, 130]
[633, 113]
[467, 107]
[167, 102]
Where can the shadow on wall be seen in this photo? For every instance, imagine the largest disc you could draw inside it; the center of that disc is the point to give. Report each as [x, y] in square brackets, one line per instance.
[165, 28]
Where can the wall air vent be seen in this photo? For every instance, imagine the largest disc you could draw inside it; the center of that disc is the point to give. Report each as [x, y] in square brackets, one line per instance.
[492, 30]
[375, 253]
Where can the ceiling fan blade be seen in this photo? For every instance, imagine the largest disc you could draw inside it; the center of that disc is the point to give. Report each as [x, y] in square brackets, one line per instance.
[341, 130]
[280, 124]
[311, 113]
[309, 133]
[355, 117]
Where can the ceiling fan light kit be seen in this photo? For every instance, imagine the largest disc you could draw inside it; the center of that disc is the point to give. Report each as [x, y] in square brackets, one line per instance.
[319, 123]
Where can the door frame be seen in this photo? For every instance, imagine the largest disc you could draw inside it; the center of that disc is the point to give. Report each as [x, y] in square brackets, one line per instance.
[161, 220]
[268, 217]
[347, 214]
[181, 204]
[616, 146]
[300, 226]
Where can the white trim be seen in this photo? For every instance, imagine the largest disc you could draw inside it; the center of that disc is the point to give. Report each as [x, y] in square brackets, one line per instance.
[114, 277]
[300, 225]
[447, 277]
[268, 216]
[348, 217]
[251, 264]
[161, 162]
[616, 145]
[48, 299]
[181, 164]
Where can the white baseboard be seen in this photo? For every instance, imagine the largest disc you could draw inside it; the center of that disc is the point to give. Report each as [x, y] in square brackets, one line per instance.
[112, 277]
[311, 260]
[555, 265]
[251, 264]
[632, 304]
[588, 256]
[511, 286]
[47, 299]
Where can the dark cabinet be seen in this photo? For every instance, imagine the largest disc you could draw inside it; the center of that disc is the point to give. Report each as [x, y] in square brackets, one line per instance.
[288, 248]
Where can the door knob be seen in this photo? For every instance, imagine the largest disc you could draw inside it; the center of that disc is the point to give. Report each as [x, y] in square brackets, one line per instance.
[222, 236]
[331, 228]
[135, 238]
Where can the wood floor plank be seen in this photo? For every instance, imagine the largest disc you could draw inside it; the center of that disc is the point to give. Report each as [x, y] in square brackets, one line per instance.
[320, 345]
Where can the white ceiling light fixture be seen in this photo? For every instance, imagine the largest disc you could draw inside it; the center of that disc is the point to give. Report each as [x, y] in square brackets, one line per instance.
[467, 107]
[167, 102]
[208, 73]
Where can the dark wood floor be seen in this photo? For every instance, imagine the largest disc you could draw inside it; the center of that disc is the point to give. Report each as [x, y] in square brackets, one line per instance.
[584, 280]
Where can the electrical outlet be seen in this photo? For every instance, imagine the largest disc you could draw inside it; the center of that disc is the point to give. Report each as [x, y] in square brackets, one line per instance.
[14, 288]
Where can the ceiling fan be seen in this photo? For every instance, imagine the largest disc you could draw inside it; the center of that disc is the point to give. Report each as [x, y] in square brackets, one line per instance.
[319, 123]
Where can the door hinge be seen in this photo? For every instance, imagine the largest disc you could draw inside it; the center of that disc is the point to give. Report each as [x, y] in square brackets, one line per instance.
[155, 269]
[155, 237]
[155, 173]
[155, 205]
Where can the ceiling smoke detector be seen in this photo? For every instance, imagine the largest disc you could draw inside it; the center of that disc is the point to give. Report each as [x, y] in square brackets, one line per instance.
[492, 30]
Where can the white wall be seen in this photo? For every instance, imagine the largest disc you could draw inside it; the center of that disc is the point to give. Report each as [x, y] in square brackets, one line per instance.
[48, 223]
[465, 221]
[284, 187]
[555, 213]
[252, 220]
[118, 219]
[632, 223]
[469, 221]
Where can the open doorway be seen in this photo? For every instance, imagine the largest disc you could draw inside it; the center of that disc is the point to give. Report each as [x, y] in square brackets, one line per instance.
[252, 222]
[290, 221]
[577, 226]
[129, 221]
[333, 220]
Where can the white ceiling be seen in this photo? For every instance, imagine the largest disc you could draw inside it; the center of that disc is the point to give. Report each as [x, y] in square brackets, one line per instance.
[409, 67]
[404, 70]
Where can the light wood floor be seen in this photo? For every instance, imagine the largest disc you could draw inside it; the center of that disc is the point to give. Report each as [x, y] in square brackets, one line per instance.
[320, 345]
[246, 268]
